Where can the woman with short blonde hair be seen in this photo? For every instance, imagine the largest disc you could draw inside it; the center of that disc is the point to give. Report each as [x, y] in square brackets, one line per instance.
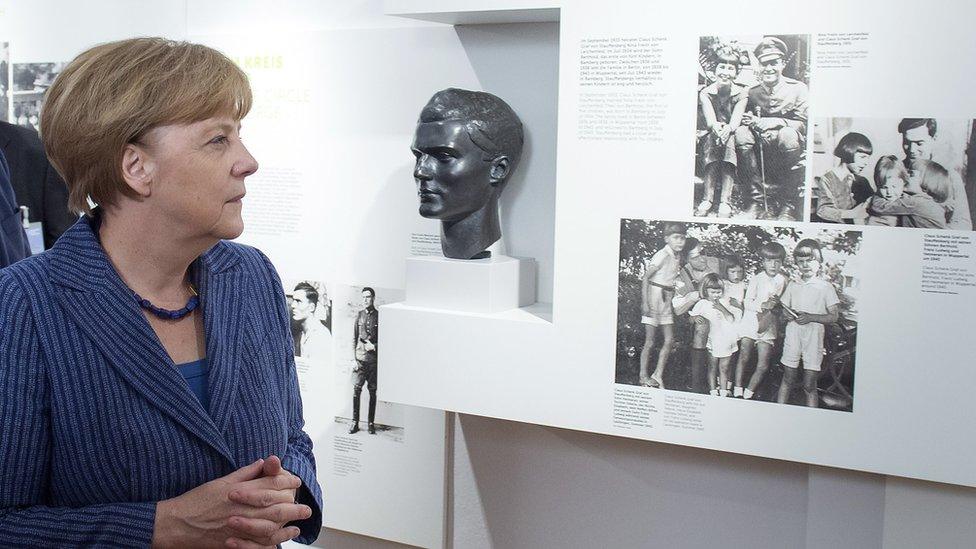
[147, 380]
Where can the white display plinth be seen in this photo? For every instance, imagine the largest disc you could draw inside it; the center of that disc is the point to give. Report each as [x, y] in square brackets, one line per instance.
[489, 285]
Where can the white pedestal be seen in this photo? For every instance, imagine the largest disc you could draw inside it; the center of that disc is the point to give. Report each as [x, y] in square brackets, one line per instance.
[477, 286]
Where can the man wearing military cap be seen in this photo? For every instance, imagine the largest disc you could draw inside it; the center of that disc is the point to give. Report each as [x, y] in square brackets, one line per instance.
[773, 132]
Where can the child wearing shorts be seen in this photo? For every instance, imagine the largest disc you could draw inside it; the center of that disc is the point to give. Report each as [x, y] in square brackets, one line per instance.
[657, 289]
[759, 328]
[811, 304]
[723, 331]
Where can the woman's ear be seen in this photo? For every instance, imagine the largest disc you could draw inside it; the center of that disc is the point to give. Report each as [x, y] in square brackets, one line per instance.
[137, 169]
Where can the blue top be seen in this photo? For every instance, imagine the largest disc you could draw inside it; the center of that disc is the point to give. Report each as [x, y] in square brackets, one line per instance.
[196, 374]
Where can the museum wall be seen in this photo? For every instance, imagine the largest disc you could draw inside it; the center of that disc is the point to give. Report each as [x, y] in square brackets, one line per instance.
[512, 484]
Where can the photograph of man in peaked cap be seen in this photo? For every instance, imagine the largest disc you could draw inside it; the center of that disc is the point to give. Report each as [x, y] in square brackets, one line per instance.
[752, 126]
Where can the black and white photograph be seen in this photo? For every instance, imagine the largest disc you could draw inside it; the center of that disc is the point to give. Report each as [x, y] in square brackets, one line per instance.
[310, 316]
[357, 359]
[5, 81]
[894, 172]
[311, 320]
[764, 313]
[30, 83]
[751, 135]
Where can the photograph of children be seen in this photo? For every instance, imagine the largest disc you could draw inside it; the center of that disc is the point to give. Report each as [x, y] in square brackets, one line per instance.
[5, 81]
[751, 312]
[356, 328]
[908, 172]
[751, 136]
[30, 83]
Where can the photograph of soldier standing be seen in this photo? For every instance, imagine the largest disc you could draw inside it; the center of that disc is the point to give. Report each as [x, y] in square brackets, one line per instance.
[771, 140]
[366, 334]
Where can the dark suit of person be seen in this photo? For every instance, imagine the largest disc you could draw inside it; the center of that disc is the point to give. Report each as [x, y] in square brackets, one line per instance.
[366, 330]
[97, 423]
[13, 239]
[36, 183]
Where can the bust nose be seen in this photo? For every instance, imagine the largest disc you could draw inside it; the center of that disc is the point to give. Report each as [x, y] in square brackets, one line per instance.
[421, 169]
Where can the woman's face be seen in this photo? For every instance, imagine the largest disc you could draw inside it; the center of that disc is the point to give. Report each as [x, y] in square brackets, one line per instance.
[197, 172]
[860, 161]
[726, 72]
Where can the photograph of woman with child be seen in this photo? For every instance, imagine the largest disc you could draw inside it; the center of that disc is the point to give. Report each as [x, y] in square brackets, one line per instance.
[750, 147]
[913, 172]
[750, 312]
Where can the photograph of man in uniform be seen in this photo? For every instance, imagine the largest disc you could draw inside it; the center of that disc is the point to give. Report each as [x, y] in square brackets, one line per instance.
[366, 336]
[770, 137]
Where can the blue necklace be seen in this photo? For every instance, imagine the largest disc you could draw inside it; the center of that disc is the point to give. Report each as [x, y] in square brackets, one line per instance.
[167, 314]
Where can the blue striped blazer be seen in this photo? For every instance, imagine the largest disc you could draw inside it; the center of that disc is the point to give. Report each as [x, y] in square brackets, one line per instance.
[96, 423]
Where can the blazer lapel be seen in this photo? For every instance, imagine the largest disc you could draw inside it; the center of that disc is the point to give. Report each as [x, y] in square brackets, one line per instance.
[96, 299]
[220, 285]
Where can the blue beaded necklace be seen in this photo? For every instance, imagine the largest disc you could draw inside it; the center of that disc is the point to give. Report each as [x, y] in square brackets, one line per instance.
[159, 312]
[167, 314]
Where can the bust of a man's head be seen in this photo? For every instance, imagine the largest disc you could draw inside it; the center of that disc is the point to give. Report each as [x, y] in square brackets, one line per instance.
[466, 145]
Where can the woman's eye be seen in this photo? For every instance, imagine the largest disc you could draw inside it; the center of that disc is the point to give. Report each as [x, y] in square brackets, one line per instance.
[219, 140]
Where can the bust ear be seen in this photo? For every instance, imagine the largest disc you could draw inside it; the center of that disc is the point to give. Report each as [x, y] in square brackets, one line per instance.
[499, 170]
[137, 169]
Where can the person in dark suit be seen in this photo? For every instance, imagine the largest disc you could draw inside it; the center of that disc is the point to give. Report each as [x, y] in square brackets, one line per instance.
[36, 183]
[147, 379]
[366, 335]
[13, 239]
[771, 140]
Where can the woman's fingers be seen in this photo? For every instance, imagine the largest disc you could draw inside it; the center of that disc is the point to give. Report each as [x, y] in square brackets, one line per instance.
[272, 466]
[254, 529]
[285, 535]
[248, 472]
[281, 513]
[283, 482]
[258, 533]
[256, 497]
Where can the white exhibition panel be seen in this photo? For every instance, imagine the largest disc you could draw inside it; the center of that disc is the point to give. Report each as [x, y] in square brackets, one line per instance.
[912, 398]
[41, 31]
[321, 207]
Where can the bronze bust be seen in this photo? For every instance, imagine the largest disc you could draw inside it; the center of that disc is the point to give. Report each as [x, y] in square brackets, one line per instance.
[467, 145]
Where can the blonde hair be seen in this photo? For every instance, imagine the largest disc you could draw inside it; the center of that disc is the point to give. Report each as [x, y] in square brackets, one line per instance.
[112, 94]
[934, 180]
[889, 166]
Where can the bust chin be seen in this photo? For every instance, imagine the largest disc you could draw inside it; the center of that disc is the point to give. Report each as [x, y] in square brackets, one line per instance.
[471, 236]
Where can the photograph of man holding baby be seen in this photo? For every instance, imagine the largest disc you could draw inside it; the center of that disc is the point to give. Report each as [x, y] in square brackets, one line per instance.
[910, 172]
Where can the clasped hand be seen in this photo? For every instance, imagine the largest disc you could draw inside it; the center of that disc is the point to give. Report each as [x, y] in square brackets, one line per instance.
[246, 509]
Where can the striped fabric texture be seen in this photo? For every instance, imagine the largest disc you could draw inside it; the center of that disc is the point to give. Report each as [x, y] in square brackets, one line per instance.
[96, 422]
